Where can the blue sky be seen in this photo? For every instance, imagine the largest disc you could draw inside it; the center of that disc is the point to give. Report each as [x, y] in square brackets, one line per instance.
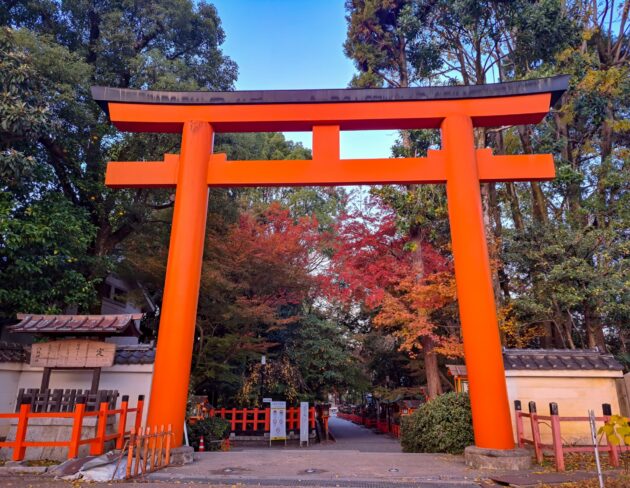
[293, 44]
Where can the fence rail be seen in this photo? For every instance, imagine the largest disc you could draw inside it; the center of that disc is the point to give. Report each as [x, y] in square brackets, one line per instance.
[97, 443]
[254, 419]
[557, 447]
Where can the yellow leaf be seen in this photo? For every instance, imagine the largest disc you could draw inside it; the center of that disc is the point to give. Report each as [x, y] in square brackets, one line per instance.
[607, 429]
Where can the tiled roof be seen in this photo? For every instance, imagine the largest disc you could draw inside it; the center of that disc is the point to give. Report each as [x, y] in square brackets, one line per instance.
[136, 354]
[127, 354]
[456, 369]
[12, 353]
[551, 360]
[73, 324]
[559, 359]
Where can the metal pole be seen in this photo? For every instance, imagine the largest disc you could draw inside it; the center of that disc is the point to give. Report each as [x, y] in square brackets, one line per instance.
[591, 418]
[263, 366]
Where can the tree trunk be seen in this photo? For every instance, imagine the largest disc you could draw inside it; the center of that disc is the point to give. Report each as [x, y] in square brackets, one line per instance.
[434, 383]
[539, 203]
[594, 329]
[512, 197]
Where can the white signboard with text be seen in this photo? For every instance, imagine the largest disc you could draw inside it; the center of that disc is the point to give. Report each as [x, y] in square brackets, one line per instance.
[304, 422]
[278, 424]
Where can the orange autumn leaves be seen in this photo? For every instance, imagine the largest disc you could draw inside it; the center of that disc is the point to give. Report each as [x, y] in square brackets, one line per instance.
[271, 260]
[375, 266]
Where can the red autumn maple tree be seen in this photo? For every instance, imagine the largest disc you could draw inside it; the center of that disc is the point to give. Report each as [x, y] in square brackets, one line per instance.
[376, 266]
[266, 261]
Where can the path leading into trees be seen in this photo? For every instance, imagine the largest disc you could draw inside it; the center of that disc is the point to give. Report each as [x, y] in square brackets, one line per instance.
[350, 436]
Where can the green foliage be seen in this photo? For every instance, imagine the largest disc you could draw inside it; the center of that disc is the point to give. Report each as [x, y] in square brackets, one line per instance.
[559, 249]
[444, 424]
[44, 261]
[55, 139]
[389, 44]
[213, 430]
[323, 353]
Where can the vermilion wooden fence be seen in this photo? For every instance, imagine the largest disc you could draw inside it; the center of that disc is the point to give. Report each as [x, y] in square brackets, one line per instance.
[380, 425]
[254, 419]
[148, 451]
[557, 447]
[97, 443]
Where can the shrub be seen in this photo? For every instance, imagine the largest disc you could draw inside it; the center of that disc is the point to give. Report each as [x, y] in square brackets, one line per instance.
[442, 425]
[212, 429]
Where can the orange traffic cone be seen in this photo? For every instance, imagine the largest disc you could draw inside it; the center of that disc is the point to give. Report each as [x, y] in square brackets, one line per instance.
[202, 445]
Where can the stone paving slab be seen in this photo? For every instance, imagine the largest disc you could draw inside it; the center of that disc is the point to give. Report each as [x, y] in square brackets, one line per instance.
[319, 466]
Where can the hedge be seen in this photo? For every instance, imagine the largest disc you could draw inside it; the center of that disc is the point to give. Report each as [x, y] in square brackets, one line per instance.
[212, 429]
[443, 425]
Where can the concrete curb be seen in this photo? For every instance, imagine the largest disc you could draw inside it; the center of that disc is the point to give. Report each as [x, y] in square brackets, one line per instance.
[337, 482]
[6, 470]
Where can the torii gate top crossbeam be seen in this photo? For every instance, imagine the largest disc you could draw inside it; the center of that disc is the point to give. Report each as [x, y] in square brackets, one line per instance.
[522, 102]
[455, 110]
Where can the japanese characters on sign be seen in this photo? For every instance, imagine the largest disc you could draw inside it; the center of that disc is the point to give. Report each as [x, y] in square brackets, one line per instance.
[74, 353]
[304, 422]
[278, 425]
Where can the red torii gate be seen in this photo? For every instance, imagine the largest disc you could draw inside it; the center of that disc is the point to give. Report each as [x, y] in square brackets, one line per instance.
[456, 110]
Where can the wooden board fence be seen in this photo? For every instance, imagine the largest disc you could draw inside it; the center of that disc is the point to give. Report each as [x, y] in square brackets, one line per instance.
[148, 451]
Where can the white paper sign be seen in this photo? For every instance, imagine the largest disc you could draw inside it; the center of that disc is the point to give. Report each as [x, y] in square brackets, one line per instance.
[304, 427]
[278, 413]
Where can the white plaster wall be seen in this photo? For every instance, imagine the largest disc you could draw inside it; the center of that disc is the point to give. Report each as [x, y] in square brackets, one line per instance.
[132, 380]
[9, 380]
[574, 396]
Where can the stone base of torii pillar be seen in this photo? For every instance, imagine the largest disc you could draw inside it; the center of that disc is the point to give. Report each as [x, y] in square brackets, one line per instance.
[498, 459]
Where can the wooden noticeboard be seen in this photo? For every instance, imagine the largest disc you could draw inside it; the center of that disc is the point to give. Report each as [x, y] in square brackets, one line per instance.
[73, 353]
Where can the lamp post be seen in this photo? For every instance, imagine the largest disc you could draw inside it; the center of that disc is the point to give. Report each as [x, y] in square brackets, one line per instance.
[263, 366]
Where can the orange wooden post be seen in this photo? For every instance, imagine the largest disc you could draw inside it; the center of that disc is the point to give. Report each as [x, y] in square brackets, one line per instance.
[482, 345]
[167, 459]
[613, 452]
[97, 446]
[130, 456]
[181, 290]
[233, 420]
[122, 422]
[267, 420]
[533, 417]
[519, 423]
[255, 426]
[77, 427]
[19, 450]
[139, 411]
[556, 436]
[244, 419]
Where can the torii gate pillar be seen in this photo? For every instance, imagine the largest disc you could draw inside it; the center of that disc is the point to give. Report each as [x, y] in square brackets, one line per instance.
[455, 110]
[171, 370]
[475, 295]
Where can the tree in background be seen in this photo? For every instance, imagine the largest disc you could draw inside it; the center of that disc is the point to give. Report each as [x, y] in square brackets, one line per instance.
[56, 140]
[558, 248]
[375, 266]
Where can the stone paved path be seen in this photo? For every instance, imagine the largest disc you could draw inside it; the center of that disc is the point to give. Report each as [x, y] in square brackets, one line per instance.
[356, 437]
[322, 467]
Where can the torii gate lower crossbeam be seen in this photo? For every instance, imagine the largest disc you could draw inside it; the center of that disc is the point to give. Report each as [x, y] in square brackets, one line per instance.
[455, 110]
